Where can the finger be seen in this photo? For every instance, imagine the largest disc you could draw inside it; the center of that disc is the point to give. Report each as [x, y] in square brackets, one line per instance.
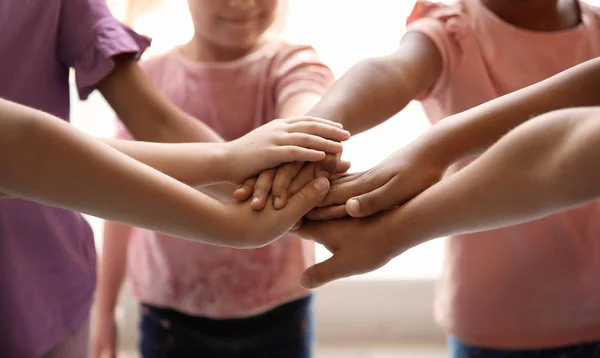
[334, 177]
[320, 129]
[306, 199]
[282, 181]
[311, 141]
[380, 199]
[346, 178]
[306, 174]
[340, 193]
[245, 190]
[262, 189]
[330, 162]
[282, 154]
[297, 119]
[342, 167]
[327, 213]
[336, 267]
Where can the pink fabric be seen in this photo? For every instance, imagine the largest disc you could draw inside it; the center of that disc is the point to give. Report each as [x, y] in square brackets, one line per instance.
[233, 98]
[534, 285]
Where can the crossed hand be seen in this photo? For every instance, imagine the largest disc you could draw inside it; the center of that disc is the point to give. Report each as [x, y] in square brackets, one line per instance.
[355, 221]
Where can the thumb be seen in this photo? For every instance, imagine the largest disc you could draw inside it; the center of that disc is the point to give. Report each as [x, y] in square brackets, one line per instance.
[306, 199]
[380, 199]
[324, 272]
[342, 167]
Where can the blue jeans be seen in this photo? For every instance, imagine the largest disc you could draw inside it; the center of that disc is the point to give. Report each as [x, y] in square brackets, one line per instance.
[285, 331]
[584, 350]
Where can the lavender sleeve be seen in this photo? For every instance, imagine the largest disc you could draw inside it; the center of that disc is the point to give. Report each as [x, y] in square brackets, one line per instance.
[88, 39]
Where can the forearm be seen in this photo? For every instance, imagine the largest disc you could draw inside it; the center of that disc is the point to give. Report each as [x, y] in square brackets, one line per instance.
[146, 113]
[195, 164]
[474, 130]
[113, 265]
[367, 95]
[375, 89]
[544, 166]
[58, 165]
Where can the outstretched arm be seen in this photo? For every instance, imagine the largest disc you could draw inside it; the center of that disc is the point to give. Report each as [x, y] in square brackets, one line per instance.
[61, 166]
[547, 165]
[420, 164]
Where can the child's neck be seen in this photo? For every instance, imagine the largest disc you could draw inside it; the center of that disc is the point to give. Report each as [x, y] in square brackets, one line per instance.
[201, 50]
[537, 15]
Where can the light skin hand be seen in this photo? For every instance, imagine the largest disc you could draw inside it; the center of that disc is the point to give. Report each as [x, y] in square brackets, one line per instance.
[372, 91]
[259, 187]
[285, 140]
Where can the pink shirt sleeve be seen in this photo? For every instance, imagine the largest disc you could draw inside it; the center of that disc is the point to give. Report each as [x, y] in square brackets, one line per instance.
[444, 25]
[89, 37]
[300, 70]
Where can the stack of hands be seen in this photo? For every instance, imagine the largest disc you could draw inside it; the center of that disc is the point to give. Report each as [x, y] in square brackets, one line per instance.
[351, 220]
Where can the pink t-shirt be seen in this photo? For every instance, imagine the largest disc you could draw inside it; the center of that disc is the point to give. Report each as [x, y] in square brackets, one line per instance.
[233, 98]
[528, 286]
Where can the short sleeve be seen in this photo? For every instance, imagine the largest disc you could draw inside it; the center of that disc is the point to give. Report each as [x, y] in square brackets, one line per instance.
[299, 69]
[88, 39]
[447, 26]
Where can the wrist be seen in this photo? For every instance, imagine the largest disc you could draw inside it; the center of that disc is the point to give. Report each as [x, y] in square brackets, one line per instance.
[223, 162]
[105, 308]
[405, 227]
[438, 147]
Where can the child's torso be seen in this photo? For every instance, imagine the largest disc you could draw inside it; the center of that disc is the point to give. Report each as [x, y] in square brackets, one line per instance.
[531, 285]
[205, 280]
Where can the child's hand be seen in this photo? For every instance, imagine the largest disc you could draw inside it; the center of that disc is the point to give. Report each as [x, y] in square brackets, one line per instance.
[288, 179]
[397, 179]
[249, 228]
[304, 139]
[358, 246]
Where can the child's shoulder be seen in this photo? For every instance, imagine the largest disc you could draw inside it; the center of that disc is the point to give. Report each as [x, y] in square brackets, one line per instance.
[455, 12]
[280, 46]
[282, 50]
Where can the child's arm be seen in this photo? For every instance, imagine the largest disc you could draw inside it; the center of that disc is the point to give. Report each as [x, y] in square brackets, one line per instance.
[58, 165]
[375, 89]
[370, 92]
[420, 164]
[111, 275]
[146, 113]
[544, 166]
[264, 147]
[113, 260]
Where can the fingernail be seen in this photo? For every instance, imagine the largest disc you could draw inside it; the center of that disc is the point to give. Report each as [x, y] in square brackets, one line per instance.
[278, 203]
[322, 184]
[353, 207]
[323, 174]
[255, 200]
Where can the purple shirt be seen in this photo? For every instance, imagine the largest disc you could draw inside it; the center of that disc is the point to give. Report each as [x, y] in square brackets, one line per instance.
[47, 255]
